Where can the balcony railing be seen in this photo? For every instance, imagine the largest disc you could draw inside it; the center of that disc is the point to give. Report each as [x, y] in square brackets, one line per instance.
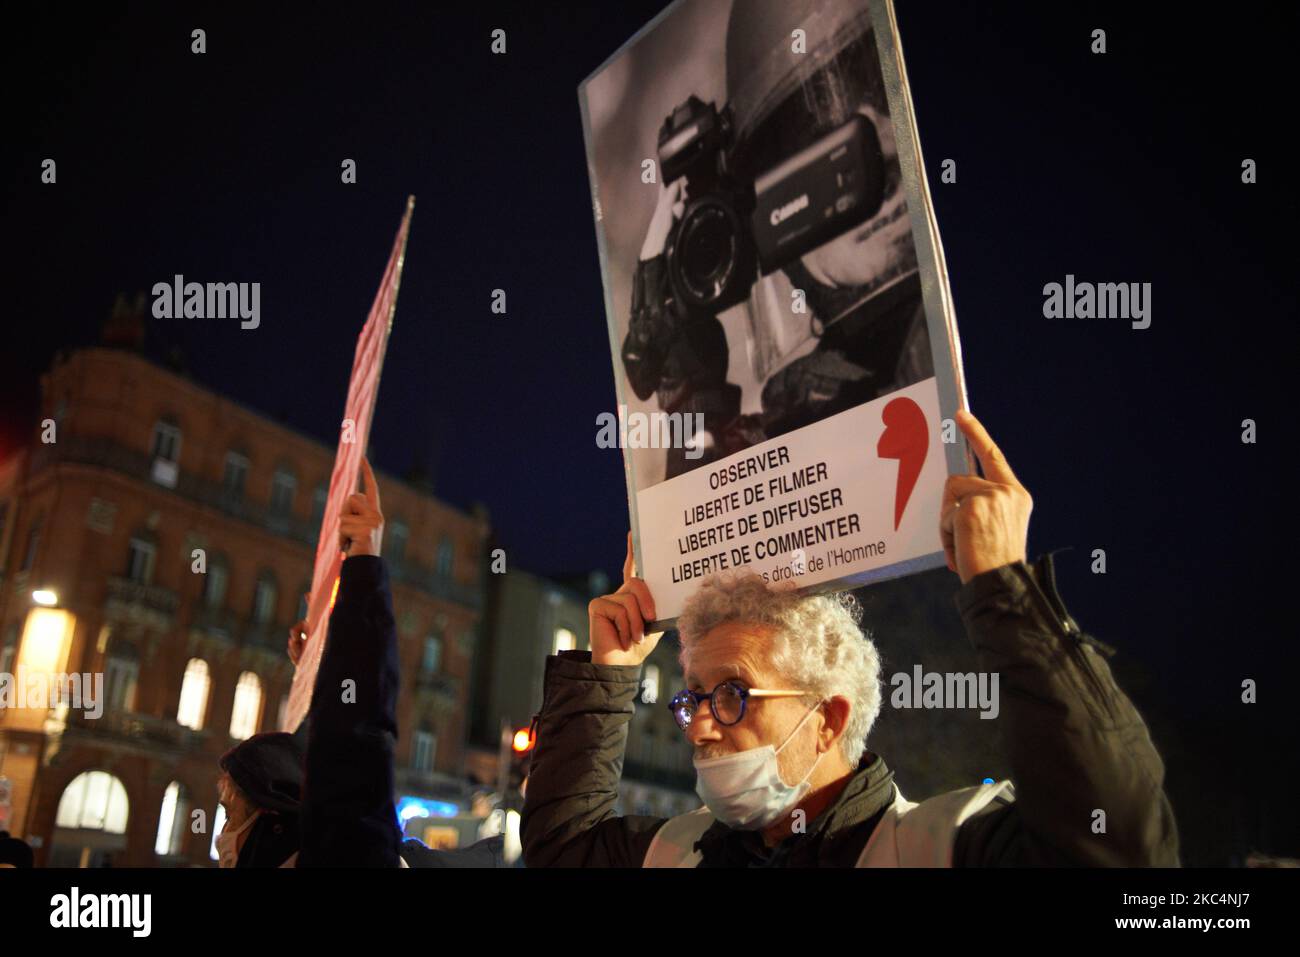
[222, 620]
[153, 597]
[139, 729]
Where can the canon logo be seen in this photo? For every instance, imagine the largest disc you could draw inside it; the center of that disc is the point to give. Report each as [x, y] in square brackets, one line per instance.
[789, 209]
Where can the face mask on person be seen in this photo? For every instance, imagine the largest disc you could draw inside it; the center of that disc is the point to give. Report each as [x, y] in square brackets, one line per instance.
[744, 790]
[227, 851]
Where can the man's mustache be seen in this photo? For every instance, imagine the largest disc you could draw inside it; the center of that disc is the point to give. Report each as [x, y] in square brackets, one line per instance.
[703, 754]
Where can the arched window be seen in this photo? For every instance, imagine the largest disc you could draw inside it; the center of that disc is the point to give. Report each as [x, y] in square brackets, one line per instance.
[264, 598]
[171, 820]
[193, 706]
[94, 800]
[248, 706]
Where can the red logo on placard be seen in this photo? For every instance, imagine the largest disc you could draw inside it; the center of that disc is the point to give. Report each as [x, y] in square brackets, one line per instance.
[906, 438]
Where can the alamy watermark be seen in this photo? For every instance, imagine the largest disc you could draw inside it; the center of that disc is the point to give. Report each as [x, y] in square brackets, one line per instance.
[41, 690]
[946, 690]
[653, 430]
[1103, 300]
[214, 300]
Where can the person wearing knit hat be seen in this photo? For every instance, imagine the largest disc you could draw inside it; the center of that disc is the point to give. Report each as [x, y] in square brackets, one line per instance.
[261, 792]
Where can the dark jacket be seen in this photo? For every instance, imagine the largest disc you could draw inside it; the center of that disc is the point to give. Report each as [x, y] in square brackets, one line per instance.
[348, 817]
[1075, 743]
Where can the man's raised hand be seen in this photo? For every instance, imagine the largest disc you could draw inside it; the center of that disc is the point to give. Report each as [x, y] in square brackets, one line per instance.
[617, 621]
[983, 522]
[361, 523]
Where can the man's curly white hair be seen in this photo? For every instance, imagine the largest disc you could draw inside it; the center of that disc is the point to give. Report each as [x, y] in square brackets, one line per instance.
[817, 644]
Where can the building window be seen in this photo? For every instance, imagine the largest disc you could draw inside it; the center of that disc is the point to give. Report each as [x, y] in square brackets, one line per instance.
[171, 821]
[166, 442]
[318, 499]
[33, 544]
[165, 451]
[248, 706]
[94, 800]
[423, 749]
[264, 595]
[121, 674]
[565, 640]
[445, 553]
[232, 482]
[218, 823]
[9, 652]
[283, 487]
[432, 655]
[395, 537]
[139, 566]
[194, 695]
[650, 685]
[215, 583]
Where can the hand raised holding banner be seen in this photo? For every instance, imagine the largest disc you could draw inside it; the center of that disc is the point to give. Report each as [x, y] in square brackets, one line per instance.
[361, 524]
[617, 621]
[983, 522]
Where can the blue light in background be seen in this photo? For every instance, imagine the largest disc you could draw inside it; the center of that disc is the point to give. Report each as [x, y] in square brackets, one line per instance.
[409, 807]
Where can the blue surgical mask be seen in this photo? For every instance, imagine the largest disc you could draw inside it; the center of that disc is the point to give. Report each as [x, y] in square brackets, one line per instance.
[744, 790]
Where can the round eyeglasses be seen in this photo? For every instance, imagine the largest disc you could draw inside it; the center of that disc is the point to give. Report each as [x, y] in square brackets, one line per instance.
[727, 702]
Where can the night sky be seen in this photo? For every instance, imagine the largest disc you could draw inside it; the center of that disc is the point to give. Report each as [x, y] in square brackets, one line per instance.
[1122, 167]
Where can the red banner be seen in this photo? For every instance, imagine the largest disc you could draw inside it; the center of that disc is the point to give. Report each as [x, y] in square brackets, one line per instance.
[354, 433]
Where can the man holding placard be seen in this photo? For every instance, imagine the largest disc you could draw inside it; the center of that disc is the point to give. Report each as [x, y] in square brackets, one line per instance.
[782, 691]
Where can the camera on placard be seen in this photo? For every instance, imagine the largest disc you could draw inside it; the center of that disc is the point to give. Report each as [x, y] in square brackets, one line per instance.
[736, 228]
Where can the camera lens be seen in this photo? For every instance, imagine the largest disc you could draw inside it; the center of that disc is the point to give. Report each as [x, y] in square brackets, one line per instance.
[706, 251]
